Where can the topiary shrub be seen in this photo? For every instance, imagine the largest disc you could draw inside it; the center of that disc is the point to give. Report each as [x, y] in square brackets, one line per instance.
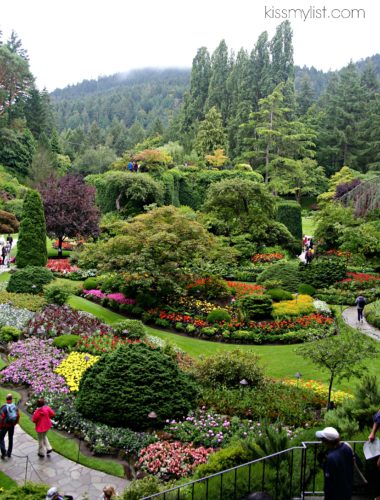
[278, 294]
[57, 294]
[31, 245]
[289, 214]
[286, 273]
[130, 328]
[256, 306]
[323, 272]
[31, 279]
[67, 341]
[229, 368]
[131, 382]
[305, 289]
[9, 333]
[218, 315]
[90, 284]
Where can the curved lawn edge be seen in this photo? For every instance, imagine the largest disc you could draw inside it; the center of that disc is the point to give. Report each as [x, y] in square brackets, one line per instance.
[6, 482]
[68, 448]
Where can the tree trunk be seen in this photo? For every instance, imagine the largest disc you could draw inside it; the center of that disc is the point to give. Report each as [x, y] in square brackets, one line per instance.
[60, 241]
[329, 394]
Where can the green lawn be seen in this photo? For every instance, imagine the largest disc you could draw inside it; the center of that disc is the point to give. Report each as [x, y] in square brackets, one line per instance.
[308, 225]
[64, 446]
[278, 360]
[4, 276]
[6, 482]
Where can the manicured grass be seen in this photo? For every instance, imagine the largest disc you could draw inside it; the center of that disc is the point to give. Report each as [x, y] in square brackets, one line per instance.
[4, 276]
[6, 482]
[64, 446]
[53, 252]
[279, 361]
[308, 225]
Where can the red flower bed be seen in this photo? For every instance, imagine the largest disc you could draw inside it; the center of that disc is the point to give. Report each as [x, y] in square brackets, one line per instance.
[61, 266]
[360, 277]
[337, 253]
[245, 288]
[266, 257]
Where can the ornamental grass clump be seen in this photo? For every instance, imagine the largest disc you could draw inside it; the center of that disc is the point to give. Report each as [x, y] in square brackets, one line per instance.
[34, 365]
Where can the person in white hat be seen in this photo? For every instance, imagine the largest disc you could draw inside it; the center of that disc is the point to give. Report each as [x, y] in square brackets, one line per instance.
[53, 494]
[338, 465]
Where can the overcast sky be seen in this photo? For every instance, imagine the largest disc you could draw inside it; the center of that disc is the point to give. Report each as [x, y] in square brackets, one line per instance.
[75, 40]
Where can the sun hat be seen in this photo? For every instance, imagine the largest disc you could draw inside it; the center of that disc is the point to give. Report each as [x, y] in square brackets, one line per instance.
[328, 433]
[9, 397]
[51, 493]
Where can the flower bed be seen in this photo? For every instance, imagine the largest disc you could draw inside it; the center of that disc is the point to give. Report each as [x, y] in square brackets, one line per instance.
[260, 258]
[172, 460]
[34, 365]
[242, 289]
[58, 320]
[28, 301]
[14, 316]
[301, 305]
[99, 343]
[66, 245]
[99, 296]
[320, 390]
[361, 279]
[73, 367]
[61, 266]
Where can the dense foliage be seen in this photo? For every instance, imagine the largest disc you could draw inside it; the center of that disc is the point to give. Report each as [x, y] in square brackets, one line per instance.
[30, 279]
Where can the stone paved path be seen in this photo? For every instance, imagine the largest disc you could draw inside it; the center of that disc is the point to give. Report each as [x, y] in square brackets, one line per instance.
[70, 478]
[350, 316]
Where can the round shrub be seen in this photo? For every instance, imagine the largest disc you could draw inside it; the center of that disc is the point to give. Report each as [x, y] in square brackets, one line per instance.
[131, 382]
[305, 289]
[256, 306]
[30, 279]
[278, 294]
[218, 315]
[9, 333]
[323, 272]
[287, 273]
[57, 294]
[90, 284]
[229, 368]
[66, 341]
[130, 328]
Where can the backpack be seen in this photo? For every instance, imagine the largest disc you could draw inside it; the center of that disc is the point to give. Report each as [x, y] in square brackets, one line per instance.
[11, 416]
[361, 302]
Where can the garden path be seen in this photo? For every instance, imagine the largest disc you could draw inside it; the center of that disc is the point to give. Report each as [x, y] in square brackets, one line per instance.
[350, 316]
[55, 470]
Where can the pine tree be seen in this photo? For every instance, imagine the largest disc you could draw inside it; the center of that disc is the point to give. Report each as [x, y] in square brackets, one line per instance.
[281, 48]
[260, 68]
[31, 245]
[211, 134]
[217, 92]
[305, 96]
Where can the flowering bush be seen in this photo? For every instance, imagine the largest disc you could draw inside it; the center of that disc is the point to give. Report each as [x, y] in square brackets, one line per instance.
[337, 253]
[267, 257]
[58, 320]
[210, 288]
[241, 289]
[302, 304]
[61, 266]
[73, 367]
[210, 429]
[196, 306]
[98, 296]
[99, 343]
[172, 460]
[34, 365]
[320, 390]
[14, 316]
[321, 307]
[359, 280]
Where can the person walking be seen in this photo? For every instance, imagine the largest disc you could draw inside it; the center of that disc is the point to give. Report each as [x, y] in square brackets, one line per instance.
[108, 493]
[9, 418]
[338, 465]
[10, 240]
[360, 304]
[374, 478]
[42, 420]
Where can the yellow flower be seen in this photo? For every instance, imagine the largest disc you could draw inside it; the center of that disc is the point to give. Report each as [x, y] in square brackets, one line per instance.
[73, 367]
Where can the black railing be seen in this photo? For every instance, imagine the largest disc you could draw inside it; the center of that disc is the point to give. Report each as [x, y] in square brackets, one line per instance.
[294, 473]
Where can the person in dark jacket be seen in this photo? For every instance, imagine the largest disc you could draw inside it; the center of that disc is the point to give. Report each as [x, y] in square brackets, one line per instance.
[360, 304]
[338, 466]
[9, 418]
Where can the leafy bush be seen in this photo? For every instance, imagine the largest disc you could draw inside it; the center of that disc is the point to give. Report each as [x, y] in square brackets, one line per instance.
[66, 341]
[141, 488]
[278, 294]
[218, 315]
[287, 273]
[209, 288]
[29, 491]
[289, 213]
[8, 222]
[23, 300]
[130, 328]
[138, 380]
[57, 294]
[323, 272]
[209, 331]
[256, 306]
[30, 279]
[9, 333]
[305, 289]
[223, 459]
[90, 283]
[229, 368]
[372, 313]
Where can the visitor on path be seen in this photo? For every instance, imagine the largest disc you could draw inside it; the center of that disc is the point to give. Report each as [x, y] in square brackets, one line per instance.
[53, 494]
[9, 417]
[130, 166]
[360, 304]
[338, 466]
[374, 478]
[3, 255]
[10, 240]
[108, 492]
[6, 261]
[42, 420]
[135, 167]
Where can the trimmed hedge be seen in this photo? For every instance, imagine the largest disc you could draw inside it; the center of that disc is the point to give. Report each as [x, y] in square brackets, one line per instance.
[278, 294]
[289, 214]
[285, 272]
[323, 271]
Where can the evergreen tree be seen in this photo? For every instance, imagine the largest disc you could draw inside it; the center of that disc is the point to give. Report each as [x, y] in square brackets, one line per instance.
[260, 68]
[305, 96]
[31, 245]
[15, 45]
[281, 48]
[211, 134]
[217, 92]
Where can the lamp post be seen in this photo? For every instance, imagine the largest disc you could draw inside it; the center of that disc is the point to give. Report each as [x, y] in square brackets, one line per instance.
[243, 384]
[298, 375]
